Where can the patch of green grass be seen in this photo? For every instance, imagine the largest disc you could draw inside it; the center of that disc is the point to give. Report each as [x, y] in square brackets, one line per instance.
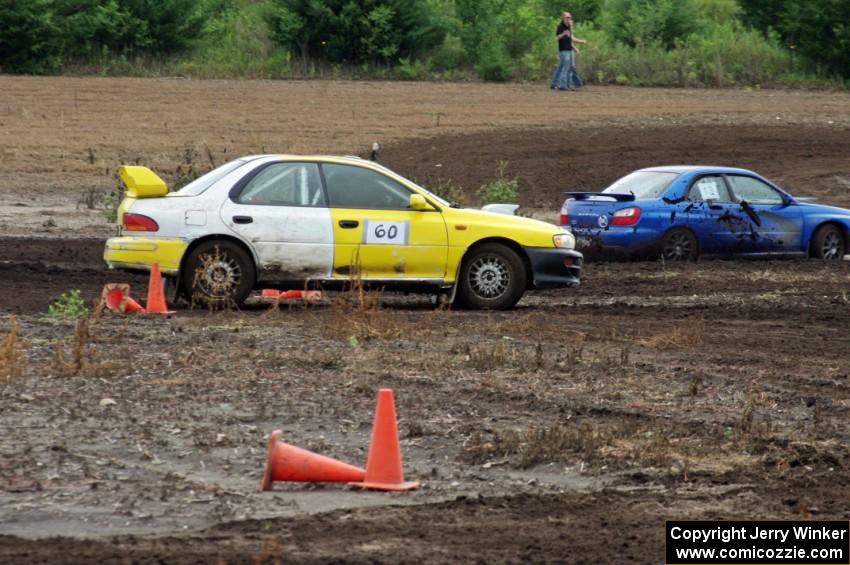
[502, 190]
[69, 305]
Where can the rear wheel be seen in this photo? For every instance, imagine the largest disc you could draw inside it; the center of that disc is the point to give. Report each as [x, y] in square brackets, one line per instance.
[493, 277]
[218, 274]
[828, 243]
[679, 244]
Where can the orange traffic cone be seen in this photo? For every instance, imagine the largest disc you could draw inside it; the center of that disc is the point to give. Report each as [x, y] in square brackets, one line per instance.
[290, 294]
[270, 294]
[286, 462]
[383, 466]
[116, 297]
[156, 296]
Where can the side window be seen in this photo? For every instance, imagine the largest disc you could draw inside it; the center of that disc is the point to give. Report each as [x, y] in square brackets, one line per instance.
[709, 188]
[356, 187]
[754, 191]
[285, 184]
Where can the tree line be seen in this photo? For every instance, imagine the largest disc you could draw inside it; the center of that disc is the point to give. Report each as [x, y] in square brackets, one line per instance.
[671, 42]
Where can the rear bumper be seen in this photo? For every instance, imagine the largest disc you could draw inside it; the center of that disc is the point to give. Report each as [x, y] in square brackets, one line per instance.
[619, 237]
[555, 268]
[138, 253]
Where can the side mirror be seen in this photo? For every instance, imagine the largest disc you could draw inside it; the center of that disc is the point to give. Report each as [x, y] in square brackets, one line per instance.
[418, 202]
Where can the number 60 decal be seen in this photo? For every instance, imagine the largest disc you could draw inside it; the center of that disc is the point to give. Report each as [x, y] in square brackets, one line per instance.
[380, 232]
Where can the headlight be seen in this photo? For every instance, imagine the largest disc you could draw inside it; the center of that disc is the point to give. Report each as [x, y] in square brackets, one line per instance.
[564, 240]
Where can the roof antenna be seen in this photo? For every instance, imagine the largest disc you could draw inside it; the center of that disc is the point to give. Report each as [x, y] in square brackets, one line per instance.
[373, 156]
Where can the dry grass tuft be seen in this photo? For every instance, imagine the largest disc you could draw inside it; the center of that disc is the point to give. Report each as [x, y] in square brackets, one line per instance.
[538, 445]
[358, 313]
[685, 335]
[619, 441]
[12, 358]
[82, 358]
[507, 354]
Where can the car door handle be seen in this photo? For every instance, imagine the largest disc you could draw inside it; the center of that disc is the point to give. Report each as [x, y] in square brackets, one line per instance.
[348, 224]
[242, 219]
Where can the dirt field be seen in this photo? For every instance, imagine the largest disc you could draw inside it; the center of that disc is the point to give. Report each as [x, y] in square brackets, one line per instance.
[566, 430]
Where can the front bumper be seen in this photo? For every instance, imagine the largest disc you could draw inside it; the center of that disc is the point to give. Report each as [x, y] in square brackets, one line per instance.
[555, 268]
[138, 253]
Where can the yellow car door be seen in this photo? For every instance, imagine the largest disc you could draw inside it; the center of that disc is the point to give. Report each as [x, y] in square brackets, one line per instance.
[377, 235]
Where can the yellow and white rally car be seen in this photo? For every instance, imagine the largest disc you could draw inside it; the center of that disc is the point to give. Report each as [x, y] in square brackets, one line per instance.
[288, 221]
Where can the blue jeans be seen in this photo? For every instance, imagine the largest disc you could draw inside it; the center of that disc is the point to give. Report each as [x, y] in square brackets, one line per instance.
[562, 78]
[577, 82]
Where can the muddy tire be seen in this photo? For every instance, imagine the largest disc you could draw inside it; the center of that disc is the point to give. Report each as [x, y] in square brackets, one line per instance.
[679, 244]
[218, 274]
[828, 243]
[493, 277]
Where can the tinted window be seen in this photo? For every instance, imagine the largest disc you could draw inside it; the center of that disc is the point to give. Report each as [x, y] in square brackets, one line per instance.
[643, 184]
[285, 184]
[356, 187]
[754, 191]
[709, 188]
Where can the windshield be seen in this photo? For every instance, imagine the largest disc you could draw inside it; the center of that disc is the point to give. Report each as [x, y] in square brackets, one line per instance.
[202, 183]
[643, 184]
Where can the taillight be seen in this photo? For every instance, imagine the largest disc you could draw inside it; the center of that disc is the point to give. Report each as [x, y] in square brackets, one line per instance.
[565, 216]
[626, 216]
[138, 222]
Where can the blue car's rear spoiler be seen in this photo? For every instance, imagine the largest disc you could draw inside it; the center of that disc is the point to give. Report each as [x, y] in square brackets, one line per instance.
[586, 195]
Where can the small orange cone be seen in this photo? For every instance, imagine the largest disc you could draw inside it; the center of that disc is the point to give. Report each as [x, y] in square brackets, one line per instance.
[156, 296]
[116, 297]
[383, 465]
[290, 294]
[270, 294]
[286, 462]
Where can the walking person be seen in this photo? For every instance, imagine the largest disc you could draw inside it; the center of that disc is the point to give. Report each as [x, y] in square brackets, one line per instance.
[562, 78]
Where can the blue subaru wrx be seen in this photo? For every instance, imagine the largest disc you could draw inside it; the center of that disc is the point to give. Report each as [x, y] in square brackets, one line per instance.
[684, 212]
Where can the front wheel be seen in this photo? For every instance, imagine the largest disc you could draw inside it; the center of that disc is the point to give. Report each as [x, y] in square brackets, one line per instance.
[679, 244]
[493, 277]
[828, 243]
[218, 274]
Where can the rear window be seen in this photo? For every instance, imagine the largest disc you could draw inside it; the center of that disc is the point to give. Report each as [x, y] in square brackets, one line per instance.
[643, 184]
[202, 183]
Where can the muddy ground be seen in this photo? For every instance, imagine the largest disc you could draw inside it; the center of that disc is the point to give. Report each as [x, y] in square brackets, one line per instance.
[565, 430]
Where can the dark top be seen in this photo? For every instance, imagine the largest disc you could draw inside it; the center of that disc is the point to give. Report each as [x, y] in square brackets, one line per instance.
[565, 43]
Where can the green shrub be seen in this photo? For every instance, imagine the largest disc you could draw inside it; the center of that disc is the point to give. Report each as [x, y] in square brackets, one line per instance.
[729, 55]
[645, 22]
[69, 305]
[500, 191]
[449, 56]
[355, 32]
[412, 70]
[494, 65]
[30, 38]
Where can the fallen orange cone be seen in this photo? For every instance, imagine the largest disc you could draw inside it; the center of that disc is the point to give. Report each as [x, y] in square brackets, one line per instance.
[156, 295]
[383, 465]
[116, 298]
[286, 462]
[270, 294]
